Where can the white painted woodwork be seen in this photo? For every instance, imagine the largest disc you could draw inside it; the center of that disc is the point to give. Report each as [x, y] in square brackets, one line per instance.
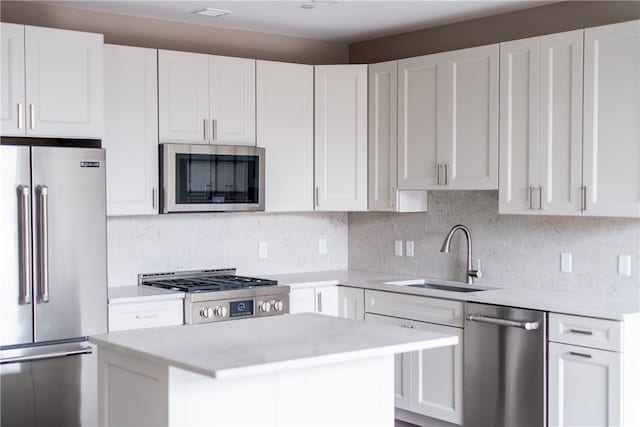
[327, 301]
[350, 303]
[432, 310]
[285, 130]
[611, 126]
[585, 386]
[302, 300]
[149, 314]
[12, 83]
[421, 122]
[471, 118]
[232, 98]
[586, 331]
[64, 83]
[341, 137]
[183, 97]
[131, 129]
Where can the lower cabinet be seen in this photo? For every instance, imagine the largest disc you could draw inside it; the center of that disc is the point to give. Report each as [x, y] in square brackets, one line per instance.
[340, 301]
[428, 382]
[148, 314]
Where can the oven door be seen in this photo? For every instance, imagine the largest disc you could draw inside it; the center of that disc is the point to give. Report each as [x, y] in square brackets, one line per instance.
[205, 178]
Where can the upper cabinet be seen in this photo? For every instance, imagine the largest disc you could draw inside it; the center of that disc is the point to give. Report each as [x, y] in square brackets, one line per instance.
[131, 130]
[206, 99]
[383, 144]
[285, 130]
[52, 82]
[612, 120]
[448, 120]
[341, 137]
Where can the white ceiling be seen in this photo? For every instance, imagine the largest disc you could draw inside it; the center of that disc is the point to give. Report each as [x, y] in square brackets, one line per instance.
[330, 20]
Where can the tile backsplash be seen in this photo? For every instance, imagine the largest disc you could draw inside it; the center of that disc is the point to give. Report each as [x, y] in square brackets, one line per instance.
[515, 250]
[219, 240]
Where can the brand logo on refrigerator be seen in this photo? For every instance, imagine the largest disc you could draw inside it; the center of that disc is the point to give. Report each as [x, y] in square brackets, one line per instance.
[89, 164]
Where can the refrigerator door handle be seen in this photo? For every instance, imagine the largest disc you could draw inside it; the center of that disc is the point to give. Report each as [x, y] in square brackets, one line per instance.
[43, 245]
[24, 227]
[47, 355]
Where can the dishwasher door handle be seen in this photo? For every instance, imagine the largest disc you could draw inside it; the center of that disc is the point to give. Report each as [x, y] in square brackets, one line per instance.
[529, 326]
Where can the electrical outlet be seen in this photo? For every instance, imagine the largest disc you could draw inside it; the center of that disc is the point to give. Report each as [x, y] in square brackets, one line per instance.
[262, 250]
[565, 262]
[322, 246]
[624, 265]
[409, 248]
[398, 247]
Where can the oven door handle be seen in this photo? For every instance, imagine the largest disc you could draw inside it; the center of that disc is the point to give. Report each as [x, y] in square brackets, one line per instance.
[529, 326]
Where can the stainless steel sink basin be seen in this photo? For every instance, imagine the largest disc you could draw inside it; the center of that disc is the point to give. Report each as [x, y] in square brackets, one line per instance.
[446, 287]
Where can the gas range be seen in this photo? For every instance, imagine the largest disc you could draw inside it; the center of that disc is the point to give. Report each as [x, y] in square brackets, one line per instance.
[219, 294]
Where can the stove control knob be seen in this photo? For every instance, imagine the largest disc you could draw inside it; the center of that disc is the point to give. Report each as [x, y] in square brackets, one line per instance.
[277, 305]
[264, 306]
[220, 311]
[206, 312]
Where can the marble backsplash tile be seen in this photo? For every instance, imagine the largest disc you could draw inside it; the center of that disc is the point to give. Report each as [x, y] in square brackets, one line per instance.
[219, 240]
[515, 250]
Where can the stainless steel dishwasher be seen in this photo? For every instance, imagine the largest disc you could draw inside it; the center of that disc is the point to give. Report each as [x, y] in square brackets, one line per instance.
[505, 357]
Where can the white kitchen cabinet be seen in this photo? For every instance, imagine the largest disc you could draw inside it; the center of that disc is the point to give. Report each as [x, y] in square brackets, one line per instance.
[302, 300]
[285, 129]
[131, 130]
[341, 137]
[60, 92]
[340, 301]
[383, 144]
[541, 125]
[12, 104]
[350, 303]
[206, 99]
[611, 125]
[146, 314]
[327, 301]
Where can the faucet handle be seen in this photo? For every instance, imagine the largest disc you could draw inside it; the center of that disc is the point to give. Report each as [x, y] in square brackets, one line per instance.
[477, 273]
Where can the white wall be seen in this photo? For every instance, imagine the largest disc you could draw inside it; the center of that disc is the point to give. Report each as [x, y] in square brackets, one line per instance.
[220, 240]
[515, 250]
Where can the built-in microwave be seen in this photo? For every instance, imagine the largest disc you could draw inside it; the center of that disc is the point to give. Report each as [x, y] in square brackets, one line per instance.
[211, 178]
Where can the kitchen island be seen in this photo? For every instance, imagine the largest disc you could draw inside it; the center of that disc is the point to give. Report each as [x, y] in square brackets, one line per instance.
[293, 370]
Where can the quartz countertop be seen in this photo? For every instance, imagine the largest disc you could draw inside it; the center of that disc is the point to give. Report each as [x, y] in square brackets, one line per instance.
[269, 344]
[537, 299]
[131, 294]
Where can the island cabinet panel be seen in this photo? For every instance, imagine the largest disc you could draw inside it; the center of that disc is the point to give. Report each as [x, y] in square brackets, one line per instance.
[341, 138]
[285, 129]
[611, 125]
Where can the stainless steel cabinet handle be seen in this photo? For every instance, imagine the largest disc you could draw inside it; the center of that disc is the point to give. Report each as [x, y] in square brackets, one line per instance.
[319, 302]
[146, 315]
[24, 226]
[392, 194]
[32, 116]
[205, 128]
[585, 355]
[43, 246]
[446, 174]
[529, 326]
[584, 198]
[52, 355]
[317, 197]
[153, 197]
[580, 331]
[531, 197]
[439, 173]
[19, 116]
[540, 206]
[214, 129]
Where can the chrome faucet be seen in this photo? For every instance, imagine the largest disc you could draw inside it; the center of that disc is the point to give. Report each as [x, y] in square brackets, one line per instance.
[446, 246]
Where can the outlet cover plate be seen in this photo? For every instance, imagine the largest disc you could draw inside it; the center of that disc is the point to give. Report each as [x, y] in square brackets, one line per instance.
[409, 248]
[398, 248]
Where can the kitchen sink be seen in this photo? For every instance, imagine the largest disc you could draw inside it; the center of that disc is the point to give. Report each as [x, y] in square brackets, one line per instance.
[445, 287]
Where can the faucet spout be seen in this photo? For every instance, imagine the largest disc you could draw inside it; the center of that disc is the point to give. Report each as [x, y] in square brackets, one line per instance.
[446, 248]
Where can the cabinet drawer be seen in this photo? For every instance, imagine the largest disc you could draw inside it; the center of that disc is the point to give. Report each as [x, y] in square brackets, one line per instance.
[585, 331]
[145, 315]
[432, 310]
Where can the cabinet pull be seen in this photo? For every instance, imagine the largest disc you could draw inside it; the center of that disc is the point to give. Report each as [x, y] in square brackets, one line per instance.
[531, 197]
[32, 116]
[146, 315]
[205, 127]
[319, 302]
[580, 331]
[439, 169]
[446, 174]
[317, 197]
[153, 197]
[19, 116]
[585, 355]
[392, 192]
[584, 198]
[214, 129]
[540, 206]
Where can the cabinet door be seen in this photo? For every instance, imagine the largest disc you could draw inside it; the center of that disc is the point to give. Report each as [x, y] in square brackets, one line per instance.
[327, 301]
[560, 182]
[183, 97]
[584, 386]
[285, 130]
[341, 137]
[471, 119]
[12, 106]
[351, 303]
[131, 129]
[383, 135]
[302, 300]
[64, 91]
[437, 381]
[421, 113]
[519, 123]
[232, 85]
[611, 125]
[402, 365]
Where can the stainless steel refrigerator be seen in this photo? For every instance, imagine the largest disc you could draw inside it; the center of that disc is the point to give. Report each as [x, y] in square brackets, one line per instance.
[53, 290]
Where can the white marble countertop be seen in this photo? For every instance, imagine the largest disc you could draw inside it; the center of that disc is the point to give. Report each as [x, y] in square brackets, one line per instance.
[537, 299]
[131, 294]
[269, 344]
